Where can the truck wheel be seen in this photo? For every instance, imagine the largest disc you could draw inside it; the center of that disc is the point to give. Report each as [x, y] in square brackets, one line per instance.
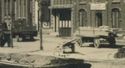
[31, 38]
[112, 43]
[23, 38]
[96, 43]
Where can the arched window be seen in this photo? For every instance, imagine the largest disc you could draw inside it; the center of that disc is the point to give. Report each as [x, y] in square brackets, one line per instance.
[116, 18]
[82, 17]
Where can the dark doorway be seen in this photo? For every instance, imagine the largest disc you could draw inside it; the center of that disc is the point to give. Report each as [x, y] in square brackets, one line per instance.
[98, 19]
[115, 18]
[63, 22]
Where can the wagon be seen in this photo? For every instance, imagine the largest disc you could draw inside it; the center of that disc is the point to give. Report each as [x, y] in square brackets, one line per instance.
[95, 36]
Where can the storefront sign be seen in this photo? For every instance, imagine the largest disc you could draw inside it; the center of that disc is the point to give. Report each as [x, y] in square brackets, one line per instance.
[98, 6]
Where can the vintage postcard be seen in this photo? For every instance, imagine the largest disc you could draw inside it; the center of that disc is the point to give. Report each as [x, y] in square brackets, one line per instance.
[62, 34]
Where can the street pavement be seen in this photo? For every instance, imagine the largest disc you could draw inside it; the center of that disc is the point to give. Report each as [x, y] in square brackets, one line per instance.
[52, 47]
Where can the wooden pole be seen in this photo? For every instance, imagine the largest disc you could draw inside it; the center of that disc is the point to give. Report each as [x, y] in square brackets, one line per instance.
[41, 36]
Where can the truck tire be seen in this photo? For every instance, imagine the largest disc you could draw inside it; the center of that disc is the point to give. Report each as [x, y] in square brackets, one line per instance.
[23, 38]
[31, 38]
[96, 43]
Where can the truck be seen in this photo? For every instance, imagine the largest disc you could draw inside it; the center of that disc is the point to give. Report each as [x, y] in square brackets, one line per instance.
[96, 36]
[23, 30]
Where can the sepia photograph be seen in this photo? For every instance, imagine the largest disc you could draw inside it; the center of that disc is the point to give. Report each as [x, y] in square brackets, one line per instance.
[62, 34]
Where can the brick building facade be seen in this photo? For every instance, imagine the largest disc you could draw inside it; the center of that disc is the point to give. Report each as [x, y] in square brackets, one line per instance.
[70, 14]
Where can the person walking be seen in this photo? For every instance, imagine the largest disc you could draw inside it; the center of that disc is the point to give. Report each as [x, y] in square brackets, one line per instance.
[111, 39]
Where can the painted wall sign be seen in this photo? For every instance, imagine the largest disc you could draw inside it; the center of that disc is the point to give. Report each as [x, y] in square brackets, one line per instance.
[98, 6]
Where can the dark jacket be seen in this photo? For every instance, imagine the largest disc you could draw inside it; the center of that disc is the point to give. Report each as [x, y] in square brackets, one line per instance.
[4, 27]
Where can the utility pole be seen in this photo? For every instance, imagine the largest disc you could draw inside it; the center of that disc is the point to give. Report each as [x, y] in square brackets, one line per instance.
[41, 25]
[11, 23]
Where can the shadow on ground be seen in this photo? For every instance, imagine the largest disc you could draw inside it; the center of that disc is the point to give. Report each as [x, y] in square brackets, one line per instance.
[85, 65]
[108, 46]
[29, 40]
[114, 47]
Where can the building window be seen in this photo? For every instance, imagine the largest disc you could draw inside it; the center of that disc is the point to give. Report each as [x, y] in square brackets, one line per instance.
[82, 18]
[116, 18]
[5, 6]
[9, 5]
[65, 18]
[98, 18]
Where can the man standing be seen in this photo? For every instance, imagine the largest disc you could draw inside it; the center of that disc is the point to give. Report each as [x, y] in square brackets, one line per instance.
[1, 34]
[111, 39]
[6, 35]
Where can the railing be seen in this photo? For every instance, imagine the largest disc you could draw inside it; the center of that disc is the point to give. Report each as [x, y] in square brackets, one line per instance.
[61, 2]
